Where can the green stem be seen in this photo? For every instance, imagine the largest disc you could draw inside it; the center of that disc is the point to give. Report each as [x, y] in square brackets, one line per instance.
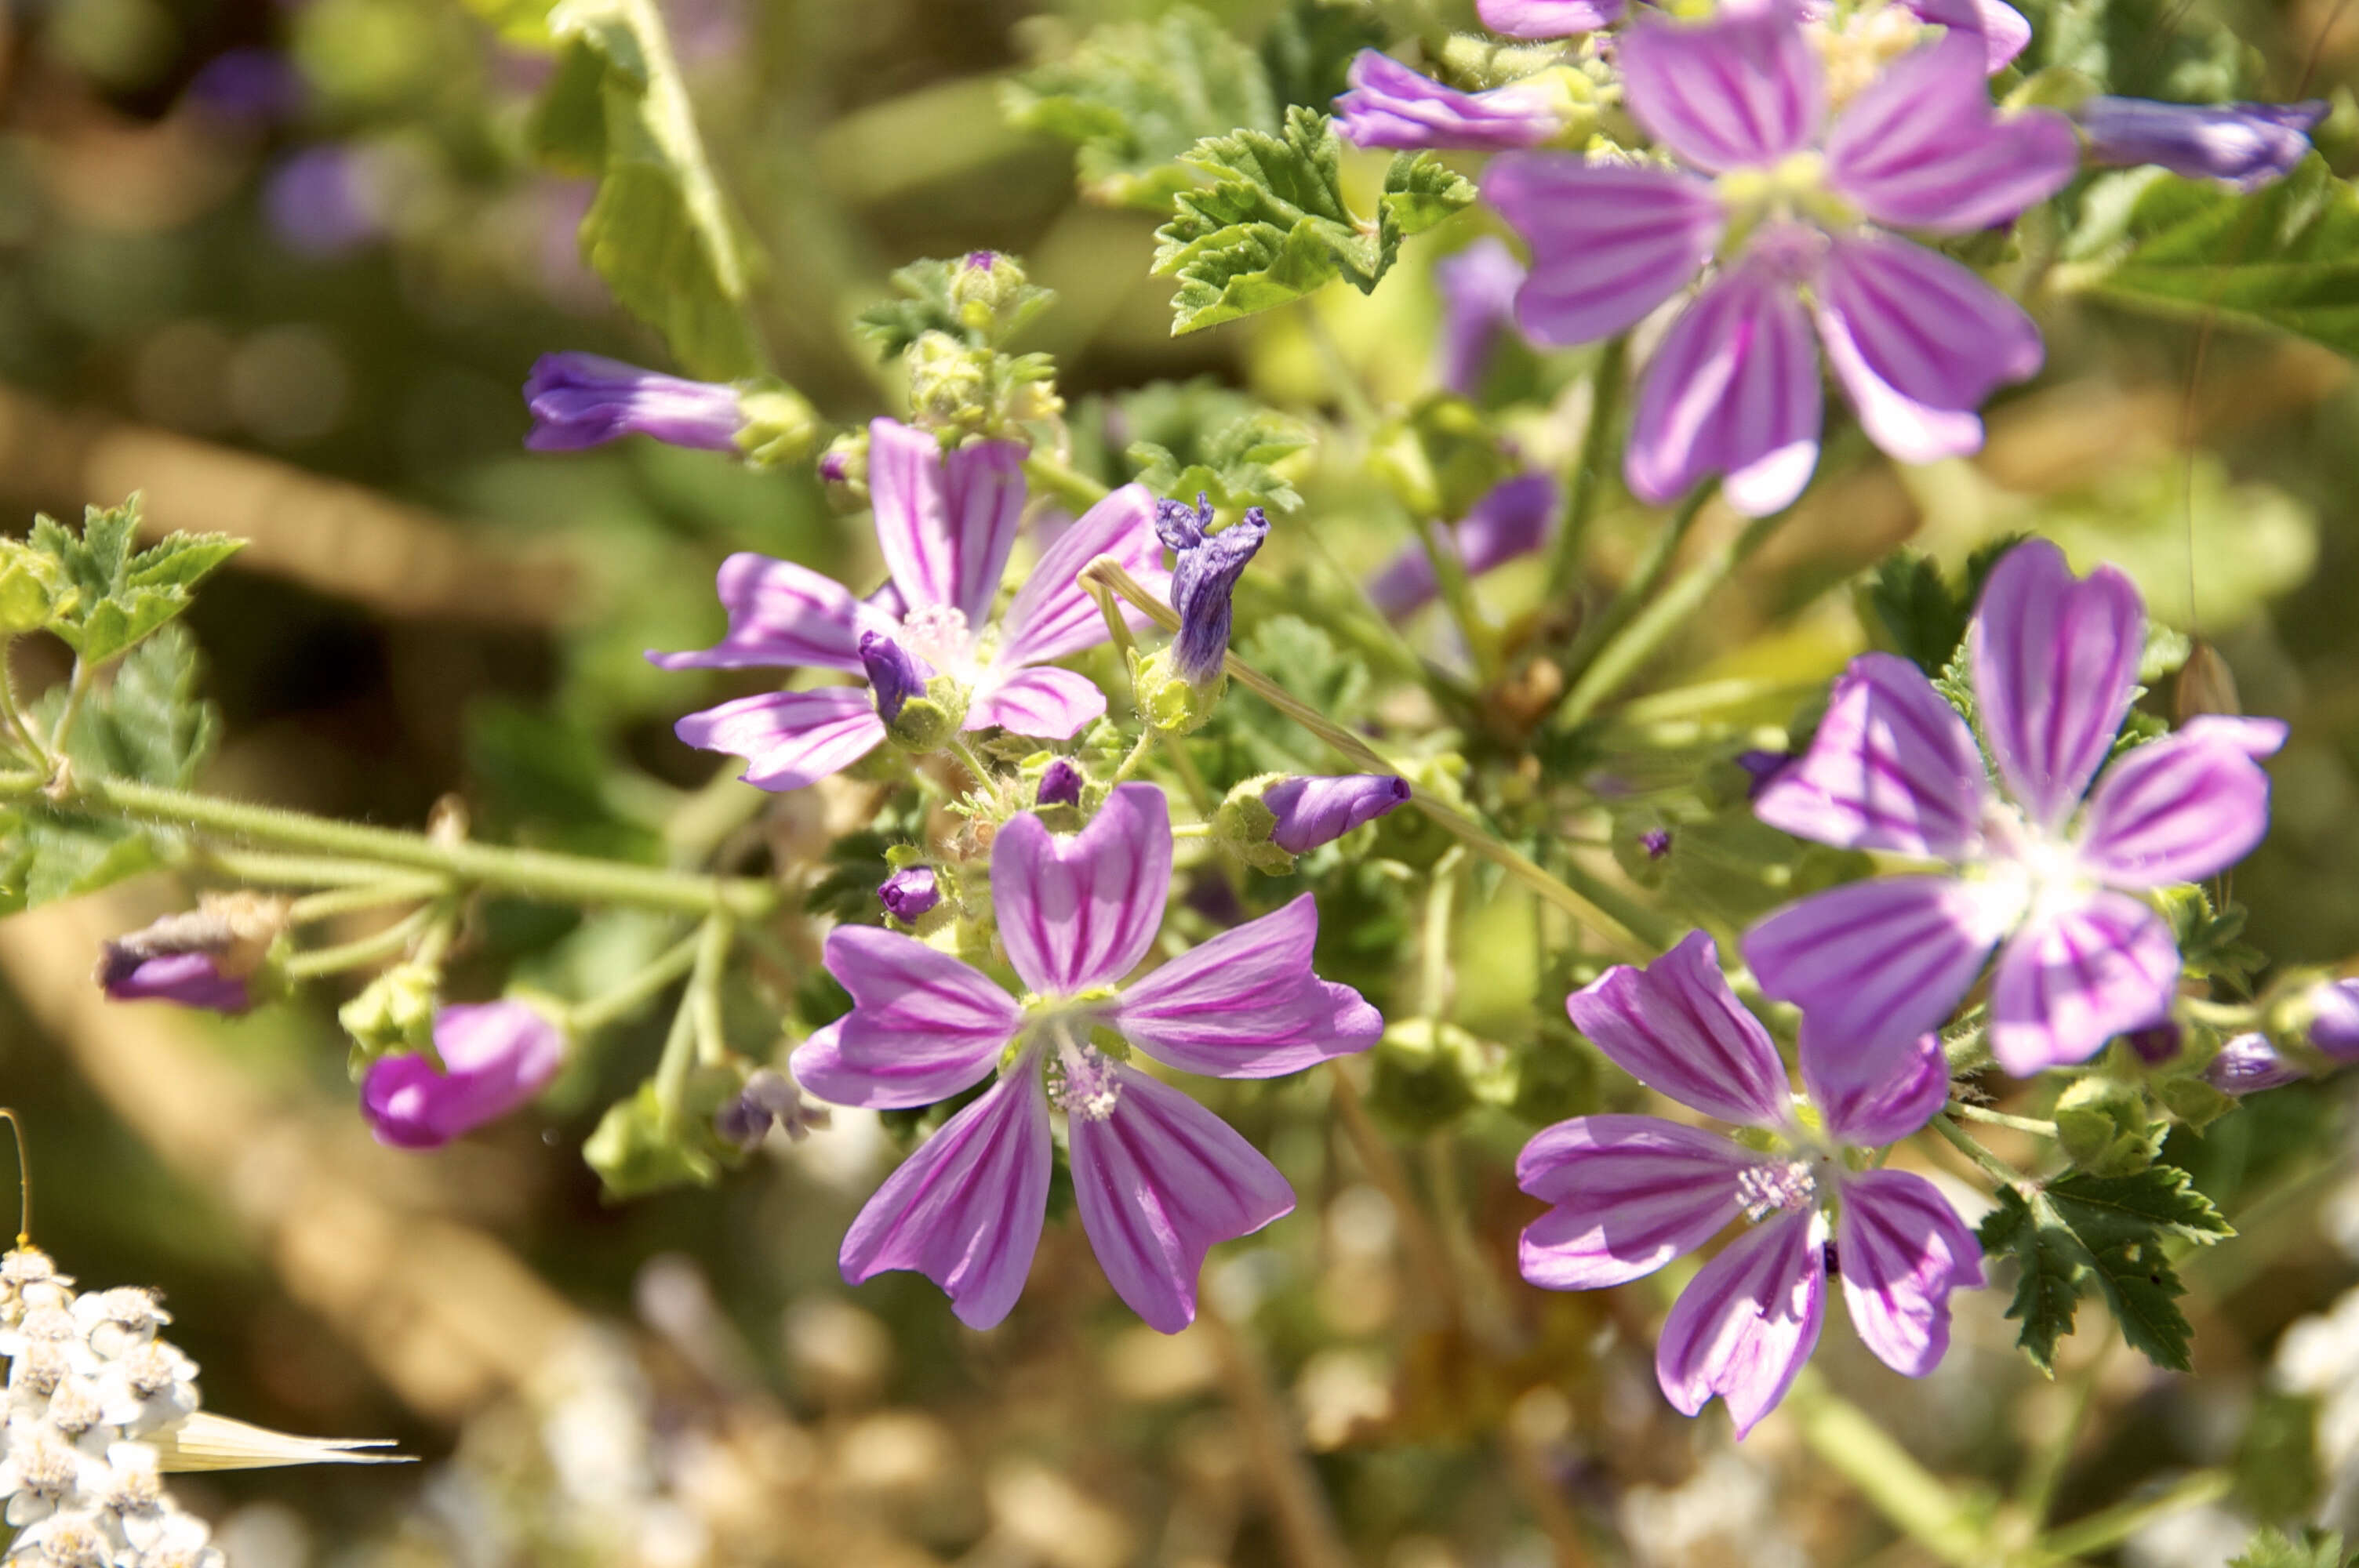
[2112, 1526]
[260, 868]
[13, 717]
[1200, 793]
[1456, 591]
[526, 873]
[365, 950]
[1066, 484]
[2000, 1119]
[1620, 659]
[1433, 958]
[585, 1018]
[712, 944]
[1996, 1169]
[2035, 1495]
[964, 749]
[679, 1057]
[1639, 586]
[1135, 756]
[1887, 1475]
[365, 896]
[77, 688]
[1587, 475]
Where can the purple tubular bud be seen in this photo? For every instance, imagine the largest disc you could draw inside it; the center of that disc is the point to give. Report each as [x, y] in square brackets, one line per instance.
[252, 86]
[185, 980]
[2334, 1019]
[892, 674]
[1061, 784]
[2242, 145]
[909, 893]
[1209, 567]
[2155, 1043]
[1478, 304]
[1389, 105]
[769, 1100]
[1315, 811]
[584, 400]
[2247, 1064]
[496, 1057]
[1656, 841]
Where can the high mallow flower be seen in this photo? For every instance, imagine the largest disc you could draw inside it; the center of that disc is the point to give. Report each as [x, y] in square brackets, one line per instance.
[1389, 105]
[1628, 1194]
[1208, 567]
[1158, 1178]
[1797, 210]
[946, 522]
[497, 1056]
[2032, 869]
[2002, 27]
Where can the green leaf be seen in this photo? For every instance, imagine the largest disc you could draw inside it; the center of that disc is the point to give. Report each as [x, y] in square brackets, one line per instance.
[1136, 95]
[120, 596]
[1199, 436]
[659, 230]
[2109, 1211]
[1913, 604]
[2285, 257]
[929, 305]
[2314, 1548]
[2140, 48]
[1272, 226]
[1309, 46]
[2047, 1293]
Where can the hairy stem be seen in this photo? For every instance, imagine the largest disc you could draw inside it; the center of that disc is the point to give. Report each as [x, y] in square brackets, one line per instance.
[1640, 586]
[367, 949]
[402, 888]
[1067, 484]
[1587, 476]
[1991, 1165]
[2110, 1527]
[1887, 1475]
[2032, 1125]
[634, 993]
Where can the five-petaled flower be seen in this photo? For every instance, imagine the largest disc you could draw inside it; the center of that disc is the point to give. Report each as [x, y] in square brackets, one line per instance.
[947, 524]
[1799, 205]
[1893, 769]
[1158, 1178]
[1628, 1194]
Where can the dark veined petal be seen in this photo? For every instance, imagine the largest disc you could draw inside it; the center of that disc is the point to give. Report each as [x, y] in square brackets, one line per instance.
[2074, 977]
[1875, 964]
[1677, 1028]
[923, 1025]
[2180, 808]
[1741, 90]
[1609, 241]
[1626, 1194]
[790, 739]
[1921, 148]
[1747, 1321]
[783, 614]
[1082, 910]
[1892, 767]
[1904, 1249]
[1053, 615]
[945, 521]
[1246, 1005]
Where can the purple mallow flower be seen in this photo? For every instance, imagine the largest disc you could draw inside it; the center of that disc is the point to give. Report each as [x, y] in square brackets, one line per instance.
[1389, 105]
[1158, 1178]
[584, 400]
[909, 893]
[496, 1057]
[1547, 18]
[2242, 145]
[2049, 880]
[2247, 1064]
[1315, 811]
[1512, 519]
[947, 523]
[1917, 340]
[2001, 27]
[1061, 783]
[1628, 1194]
[1208, 567]
[1478, 306]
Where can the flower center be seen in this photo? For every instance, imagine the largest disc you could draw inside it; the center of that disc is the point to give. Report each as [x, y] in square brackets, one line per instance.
[2028, 872]
[1777, 1186]
[1082, 1082]
[939, 634]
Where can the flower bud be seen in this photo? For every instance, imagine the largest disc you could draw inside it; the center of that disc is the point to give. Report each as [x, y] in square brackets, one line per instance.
[780, 425]
[2333, 1007]
[585, 400]
[394, 1014]
[1061, 783]
[768, 1102]
[892, 674]
[986, 289]
[33, 591]
[1206, 575]
[495, 1058]
[2103, 1125]
[950, 383]
[909, 893]
[843, 467]
[1309, 812]
[2247, 1064]
[2241, 145]
[213, 957]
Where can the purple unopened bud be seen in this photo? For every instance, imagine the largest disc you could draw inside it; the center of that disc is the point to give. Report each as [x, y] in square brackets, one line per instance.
[892, 674]
[583, 400]
[204, 957]
[835, 466]
[1061, 783]
[2334, 1019]
[2155, 1043]
[1205, 576]
[1764, 767]
[496, 1057]
[1315, 811]
[982, 261]
[1478, 304]
[1656, 841]
[769, 1101]
[2247, 1064]
[1389, 105]
[909, 893]
[2242, 145]
[189, 979]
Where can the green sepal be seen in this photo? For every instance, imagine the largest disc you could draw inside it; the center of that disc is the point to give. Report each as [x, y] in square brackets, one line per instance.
[393, 1014]
[637, 1149]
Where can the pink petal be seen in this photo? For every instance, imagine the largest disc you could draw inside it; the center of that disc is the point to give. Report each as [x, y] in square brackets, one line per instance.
[784, 615]
[1080, 911]
[1052, 615]
[1547, 18]
[1918, 342]
[1055, 704]
[1921, 149]
[1628, 1194]
[1733, 389]
[1609, 241]
[2003, 28]
[2177, 809]
[1158, 1183]
[2070, 980]
[1875, 963]
[922, 1027]
[1245, 1004]
[1741, 90]
[1892, 767]
[1747, 1321]
[1873, 1097]
[790, 737]
[1901, 1250]
[2055, 662]
[1677, 1028]
[965, 1210]
[945, 521]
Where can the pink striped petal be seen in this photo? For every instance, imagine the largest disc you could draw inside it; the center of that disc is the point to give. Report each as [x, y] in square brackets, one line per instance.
[1158, 1181]
[1892, 767]
[1741, 90]
[1628, 1194]
[1901, 1250]
[784, 615]
[1677, 1028]
[1733, 389]
[1747, 1321]
[1918, 342]
[1921, 149]
[1245, 1004]
[965, 1210]
[1080, 911]
[922, 1027]
[1609, 241]
[1876, 962]
[2003, 29]
[790, 737]
[1873, 1097]
[1547, 18]
[1053, 615]
[2070, 980]
[2055, 662]
[2180, 808]
[1055, 704]
[945, 521]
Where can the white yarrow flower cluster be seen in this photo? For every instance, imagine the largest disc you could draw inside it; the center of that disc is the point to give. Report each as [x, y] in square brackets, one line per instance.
[87, 1381]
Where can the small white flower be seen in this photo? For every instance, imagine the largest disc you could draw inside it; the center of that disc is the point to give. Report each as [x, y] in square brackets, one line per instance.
[148, 1389]
[35, 1377]
[75, 1539]
[42, 1323]
[183, 1542]
[118, 1321]
[28, 1278]
[134, 1493]
[45, 1474]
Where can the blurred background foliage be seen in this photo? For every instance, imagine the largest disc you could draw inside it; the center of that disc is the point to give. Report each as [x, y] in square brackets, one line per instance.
[283, 266]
